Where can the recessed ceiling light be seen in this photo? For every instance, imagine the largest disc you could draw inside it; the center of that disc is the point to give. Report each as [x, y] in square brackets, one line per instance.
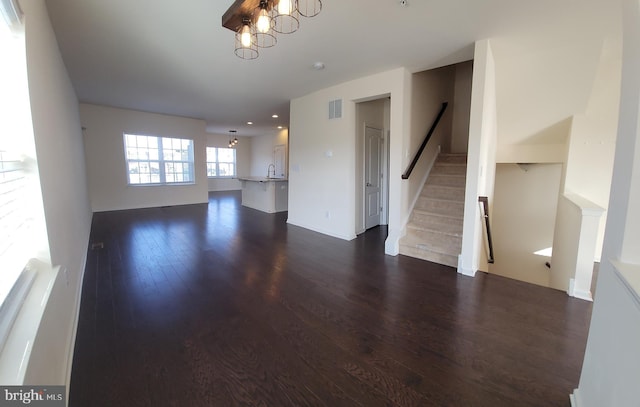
[275, 116]
[318, 66]
[280, 127]
[249, 123]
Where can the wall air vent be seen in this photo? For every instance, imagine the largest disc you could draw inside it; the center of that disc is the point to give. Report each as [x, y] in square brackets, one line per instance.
[335, 109]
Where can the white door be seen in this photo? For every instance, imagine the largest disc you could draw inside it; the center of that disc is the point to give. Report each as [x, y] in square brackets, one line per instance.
[372, 177]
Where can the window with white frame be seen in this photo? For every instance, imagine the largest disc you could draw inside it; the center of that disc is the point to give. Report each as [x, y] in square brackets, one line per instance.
[155, 160]
[21, 210]
[221, 162]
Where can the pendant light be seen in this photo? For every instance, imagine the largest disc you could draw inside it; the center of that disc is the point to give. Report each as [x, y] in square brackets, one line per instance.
[246, 41]
[257, 22]
[286, 18]
[265, 34]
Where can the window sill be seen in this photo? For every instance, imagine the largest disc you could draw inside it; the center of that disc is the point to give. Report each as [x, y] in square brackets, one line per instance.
[14, 357]
[175, 184]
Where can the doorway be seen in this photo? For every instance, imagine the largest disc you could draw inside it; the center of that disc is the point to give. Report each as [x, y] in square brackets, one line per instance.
[372, 163]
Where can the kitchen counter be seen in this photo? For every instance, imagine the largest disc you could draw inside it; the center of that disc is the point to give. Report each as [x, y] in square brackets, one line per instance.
[265, 194]
[262, 179]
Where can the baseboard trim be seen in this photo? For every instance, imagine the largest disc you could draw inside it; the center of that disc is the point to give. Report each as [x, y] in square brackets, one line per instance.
[465, 271]
[392, 244]
[74, 323]
[580, 294]
[319, 230]
[575, 398]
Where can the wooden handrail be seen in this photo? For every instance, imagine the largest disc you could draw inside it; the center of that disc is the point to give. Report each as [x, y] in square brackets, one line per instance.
[485, 207]
[407, 173]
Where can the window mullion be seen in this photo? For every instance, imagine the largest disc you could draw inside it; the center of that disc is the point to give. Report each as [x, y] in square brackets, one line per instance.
[218, 162]
[163, 177]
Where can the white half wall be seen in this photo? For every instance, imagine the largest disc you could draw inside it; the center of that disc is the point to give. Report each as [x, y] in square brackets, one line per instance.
[61, 161]
[575, 239]
[106, 169]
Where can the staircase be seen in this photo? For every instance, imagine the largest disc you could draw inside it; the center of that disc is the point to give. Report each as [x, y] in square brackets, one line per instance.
[434, 231]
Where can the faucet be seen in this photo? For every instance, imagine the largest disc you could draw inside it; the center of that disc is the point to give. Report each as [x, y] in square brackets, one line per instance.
[269, 171]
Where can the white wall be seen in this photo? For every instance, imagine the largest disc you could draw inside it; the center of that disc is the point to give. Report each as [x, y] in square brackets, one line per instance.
[591, 147]
[461, 107]
[544, 78]
[243, 162]
[611, 365]
[106, 169]
[262, 151]
[322, 156]
[61, 161]
[524, 212]
[481, 161]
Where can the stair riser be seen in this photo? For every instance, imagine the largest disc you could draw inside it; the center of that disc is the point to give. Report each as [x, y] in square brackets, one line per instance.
[430, 221]
[446, 180]
[439, 258]
[436, 241]
[448, 228]
[453, 158]
[440, 192]
[443, 169]
[446, 208]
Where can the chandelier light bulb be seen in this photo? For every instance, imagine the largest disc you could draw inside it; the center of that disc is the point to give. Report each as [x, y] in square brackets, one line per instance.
[285, 7]
[245, 37]
[264, 23]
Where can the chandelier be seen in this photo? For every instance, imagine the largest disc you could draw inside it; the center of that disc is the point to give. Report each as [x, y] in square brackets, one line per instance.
[258, 22]
[232, 141]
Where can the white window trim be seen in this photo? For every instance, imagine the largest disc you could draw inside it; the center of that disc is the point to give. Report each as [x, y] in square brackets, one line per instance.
[161, 163]
[217, 162]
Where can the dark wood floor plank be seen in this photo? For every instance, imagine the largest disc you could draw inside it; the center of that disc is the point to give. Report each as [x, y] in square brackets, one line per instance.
[221, 305]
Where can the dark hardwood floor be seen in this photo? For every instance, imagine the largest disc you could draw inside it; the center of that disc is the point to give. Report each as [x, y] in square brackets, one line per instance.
[220, 305]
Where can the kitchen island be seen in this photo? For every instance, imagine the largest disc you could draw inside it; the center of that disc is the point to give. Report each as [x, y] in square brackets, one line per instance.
[265, 194]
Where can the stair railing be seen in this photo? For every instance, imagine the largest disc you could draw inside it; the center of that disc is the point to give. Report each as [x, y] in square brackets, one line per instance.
[407, 173]
[485, 208]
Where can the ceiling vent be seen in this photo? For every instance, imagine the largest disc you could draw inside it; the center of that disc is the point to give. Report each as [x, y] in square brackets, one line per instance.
[335, 109]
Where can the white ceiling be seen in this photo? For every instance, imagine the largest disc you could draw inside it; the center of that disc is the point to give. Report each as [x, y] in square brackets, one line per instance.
[174, 57]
